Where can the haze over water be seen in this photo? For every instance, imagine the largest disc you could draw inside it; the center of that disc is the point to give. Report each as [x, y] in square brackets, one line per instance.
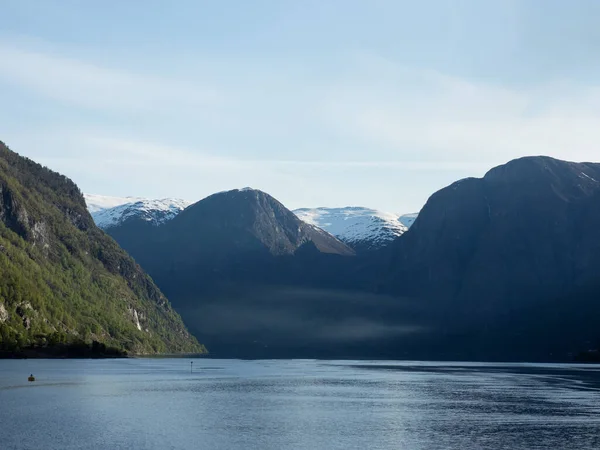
[157, 404]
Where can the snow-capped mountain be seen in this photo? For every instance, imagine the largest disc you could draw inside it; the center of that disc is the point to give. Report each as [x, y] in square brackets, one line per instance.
[108, 212]
[360, 228]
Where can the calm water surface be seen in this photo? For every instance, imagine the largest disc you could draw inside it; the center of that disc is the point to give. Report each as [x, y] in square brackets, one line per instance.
[228, 404]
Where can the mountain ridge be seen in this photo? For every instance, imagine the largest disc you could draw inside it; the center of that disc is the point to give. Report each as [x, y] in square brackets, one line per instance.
[359, 227]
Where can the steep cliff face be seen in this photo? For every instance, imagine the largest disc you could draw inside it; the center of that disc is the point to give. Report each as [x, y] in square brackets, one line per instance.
[63, 279]
[11, 215]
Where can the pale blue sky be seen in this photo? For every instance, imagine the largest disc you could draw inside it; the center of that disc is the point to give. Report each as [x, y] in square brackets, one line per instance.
[321, 103]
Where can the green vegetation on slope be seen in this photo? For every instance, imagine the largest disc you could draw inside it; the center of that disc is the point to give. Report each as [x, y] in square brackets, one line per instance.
[62, 280]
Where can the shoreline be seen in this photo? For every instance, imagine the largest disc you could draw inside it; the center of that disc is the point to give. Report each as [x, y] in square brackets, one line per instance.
[37, 354]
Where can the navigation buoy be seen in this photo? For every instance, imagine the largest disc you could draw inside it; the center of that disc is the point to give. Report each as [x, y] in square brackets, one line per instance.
[31, 378]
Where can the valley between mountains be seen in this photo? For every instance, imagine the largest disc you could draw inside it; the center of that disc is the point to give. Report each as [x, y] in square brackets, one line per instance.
[503, 267]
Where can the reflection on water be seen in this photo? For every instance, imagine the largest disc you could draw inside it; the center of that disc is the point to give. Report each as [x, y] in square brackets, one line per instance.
[228, 404]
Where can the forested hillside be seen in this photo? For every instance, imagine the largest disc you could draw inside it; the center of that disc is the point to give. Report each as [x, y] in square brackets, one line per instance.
[64, 281]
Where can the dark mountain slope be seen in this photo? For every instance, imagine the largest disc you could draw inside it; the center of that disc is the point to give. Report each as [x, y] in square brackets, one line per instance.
[65, 280]
[235, 234]
[255, 220]
[503, 255]
[525, 225]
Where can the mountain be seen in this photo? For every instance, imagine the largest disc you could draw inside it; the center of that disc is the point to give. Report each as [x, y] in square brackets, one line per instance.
[238, 221]
[236, 234]
[233, 260]
[109, 212]
[362, 229]
[64, 281]
[511, 259]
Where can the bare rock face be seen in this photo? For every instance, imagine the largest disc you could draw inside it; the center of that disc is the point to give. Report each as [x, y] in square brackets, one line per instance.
[12, 214]
[4, 316]
[135, 317]
[41, 235]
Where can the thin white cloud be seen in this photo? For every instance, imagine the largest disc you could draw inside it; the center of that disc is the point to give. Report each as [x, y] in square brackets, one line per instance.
[143, 153]
[436, 117]
[88, 85]
[93, 148]
[373, 114]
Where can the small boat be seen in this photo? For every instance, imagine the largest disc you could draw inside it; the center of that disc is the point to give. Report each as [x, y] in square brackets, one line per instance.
[31, 378]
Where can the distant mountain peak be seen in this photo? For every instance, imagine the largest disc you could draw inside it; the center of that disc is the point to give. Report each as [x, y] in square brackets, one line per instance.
[267, 219]
[112, 211]
[359, 227]
[96, 202]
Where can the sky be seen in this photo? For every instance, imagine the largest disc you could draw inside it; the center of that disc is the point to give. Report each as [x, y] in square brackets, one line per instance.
[373, 103]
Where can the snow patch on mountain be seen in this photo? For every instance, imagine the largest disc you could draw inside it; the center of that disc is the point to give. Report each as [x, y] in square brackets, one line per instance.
[96, 203]
[356, 226]
[108, 212]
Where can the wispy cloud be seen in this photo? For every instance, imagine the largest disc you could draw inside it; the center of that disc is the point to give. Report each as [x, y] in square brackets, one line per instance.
[85, 148]
[84, 84]
[434, 117]
[372, 113]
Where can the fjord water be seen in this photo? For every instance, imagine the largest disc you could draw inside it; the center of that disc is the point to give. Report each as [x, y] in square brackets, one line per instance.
[157, 404]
